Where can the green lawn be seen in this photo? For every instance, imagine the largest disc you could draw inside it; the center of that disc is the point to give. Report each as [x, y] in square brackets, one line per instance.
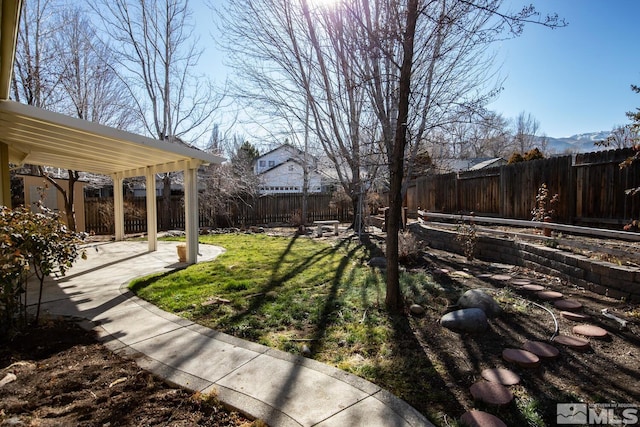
[274, 290]
[288, 293]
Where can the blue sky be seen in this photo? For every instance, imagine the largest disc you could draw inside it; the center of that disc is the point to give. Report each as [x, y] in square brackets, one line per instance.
[575, 79]
[572, 80]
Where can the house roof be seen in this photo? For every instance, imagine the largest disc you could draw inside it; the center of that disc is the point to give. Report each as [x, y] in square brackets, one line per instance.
[284, 146]
[475, 164]
[41, 137]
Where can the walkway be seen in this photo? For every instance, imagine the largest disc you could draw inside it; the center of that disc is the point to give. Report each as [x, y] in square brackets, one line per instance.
[277, 387]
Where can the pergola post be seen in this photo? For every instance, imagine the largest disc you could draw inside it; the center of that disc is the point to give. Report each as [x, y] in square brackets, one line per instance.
[118, 206]
[5, 178]
[192, 224]
[152, 210]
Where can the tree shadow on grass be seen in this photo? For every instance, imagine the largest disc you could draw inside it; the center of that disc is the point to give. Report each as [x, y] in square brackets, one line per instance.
[279, 278]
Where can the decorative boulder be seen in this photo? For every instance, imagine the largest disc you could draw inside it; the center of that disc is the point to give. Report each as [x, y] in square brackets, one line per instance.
[475, 298]
[465, 320]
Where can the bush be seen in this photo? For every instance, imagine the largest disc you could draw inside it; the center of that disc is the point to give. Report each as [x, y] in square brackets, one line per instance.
[534, 154]
[516, 158]
[30, 243]
[544, 204]
[467, 237]
[408, 247]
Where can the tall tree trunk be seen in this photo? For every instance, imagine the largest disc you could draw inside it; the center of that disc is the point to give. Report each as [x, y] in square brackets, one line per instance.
[393, 299]
[68, 195]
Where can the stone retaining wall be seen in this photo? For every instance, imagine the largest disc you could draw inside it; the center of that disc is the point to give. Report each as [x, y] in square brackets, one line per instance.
[602, 277]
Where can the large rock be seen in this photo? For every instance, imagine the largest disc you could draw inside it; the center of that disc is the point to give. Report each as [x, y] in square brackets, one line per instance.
[475, 298]
[465, 320]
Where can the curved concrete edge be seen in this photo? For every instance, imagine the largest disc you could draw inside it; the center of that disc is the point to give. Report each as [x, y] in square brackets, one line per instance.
[362, 403]
[253, 408]
[378, 400]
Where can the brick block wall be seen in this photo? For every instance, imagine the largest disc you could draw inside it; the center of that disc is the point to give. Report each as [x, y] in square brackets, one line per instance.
[602, 277]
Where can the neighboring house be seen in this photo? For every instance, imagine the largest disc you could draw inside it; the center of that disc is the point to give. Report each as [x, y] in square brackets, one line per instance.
[473, 164]
[282, 171]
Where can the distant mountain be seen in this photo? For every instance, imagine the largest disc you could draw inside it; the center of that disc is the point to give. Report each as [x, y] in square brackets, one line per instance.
[581, 143]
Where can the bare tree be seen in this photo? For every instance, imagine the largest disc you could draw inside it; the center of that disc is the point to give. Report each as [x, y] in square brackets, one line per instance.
[490, 136]
[295, 60]
[380, 75]
[426, 61]
[34, 80]
[232, 184]
[622, 136]
[91, 89]
[156, 54]
[37, 77]
[480, 133]
[526, 128]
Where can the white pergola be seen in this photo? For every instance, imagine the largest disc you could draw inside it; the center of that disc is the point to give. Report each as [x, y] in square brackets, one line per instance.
[39, 137]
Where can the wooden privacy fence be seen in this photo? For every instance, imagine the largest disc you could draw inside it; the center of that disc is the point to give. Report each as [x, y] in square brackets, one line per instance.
[287, 209]
[275, 209]
[591, 189]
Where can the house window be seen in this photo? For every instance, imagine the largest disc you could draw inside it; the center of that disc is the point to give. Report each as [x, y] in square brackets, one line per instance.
[272, 163]
[262, 163]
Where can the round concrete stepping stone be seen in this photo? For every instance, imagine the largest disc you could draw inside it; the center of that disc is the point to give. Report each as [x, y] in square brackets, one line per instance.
[501, 375]
[524, 358]
[590, 331]
[541, 349]
[520, 282]
[532, 288]
[575, 343]
[475, 418]
[549, 295]
[491, 393]
[576, 317]
[501, 277]
[484, 276]
[461, 275]
[568, 304]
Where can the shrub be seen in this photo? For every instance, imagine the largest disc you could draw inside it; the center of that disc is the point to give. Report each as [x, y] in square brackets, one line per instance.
[408, 247]
[543, 207]
[516, 158]
[533, 154]
[467, 238]
[31, 243]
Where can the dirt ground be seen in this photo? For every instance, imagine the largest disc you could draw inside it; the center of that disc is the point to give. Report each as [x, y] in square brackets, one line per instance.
[606, 373]
[64, 377]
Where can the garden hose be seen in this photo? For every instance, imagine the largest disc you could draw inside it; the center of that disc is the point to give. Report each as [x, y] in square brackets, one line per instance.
[555, 320]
